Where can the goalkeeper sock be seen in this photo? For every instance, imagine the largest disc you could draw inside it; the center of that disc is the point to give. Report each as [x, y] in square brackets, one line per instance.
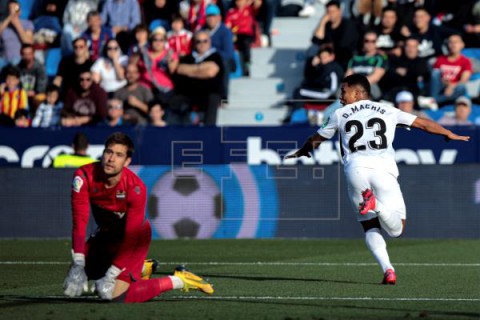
[389, 221]
[144, 290]
[377, 245]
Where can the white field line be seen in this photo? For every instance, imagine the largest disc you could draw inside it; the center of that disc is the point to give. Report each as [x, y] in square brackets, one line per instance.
[260, 263]
[319, 298]
[265, 298]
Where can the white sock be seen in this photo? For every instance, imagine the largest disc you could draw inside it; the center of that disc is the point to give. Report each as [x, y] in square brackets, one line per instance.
[177, 282]
[377, 245]
[391, 222]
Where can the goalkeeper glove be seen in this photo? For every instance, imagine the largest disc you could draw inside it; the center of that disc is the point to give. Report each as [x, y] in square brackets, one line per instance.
[76, 281]
[105, 285]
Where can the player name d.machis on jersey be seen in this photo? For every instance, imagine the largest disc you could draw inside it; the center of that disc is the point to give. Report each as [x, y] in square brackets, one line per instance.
[366, 132]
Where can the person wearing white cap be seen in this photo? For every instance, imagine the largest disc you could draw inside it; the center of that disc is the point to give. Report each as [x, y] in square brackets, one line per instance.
[405, 101]
[463, 108]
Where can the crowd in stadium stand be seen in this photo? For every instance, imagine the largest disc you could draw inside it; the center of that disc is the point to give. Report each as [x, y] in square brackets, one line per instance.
[427, 50]
[164, 62]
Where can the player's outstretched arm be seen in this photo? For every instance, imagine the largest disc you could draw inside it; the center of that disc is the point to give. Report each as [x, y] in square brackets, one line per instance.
[433, 127]
[312, 143]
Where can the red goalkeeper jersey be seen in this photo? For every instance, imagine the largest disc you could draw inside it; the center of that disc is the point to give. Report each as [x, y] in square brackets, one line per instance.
[118, 211]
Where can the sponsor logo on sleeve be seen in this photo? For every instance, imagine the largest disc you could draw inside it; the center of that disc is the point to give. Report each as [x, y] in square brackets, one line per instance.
[77, 184]
[325, 123]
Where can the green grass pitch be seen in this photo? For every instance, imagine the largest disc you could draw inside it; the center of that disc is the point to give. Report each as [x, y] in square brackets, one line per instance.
[261, 279]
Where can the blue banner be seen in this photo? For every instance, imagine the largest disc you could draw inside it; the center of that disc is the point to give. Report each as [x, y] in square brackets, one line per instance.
[242, 201]
[189, 146]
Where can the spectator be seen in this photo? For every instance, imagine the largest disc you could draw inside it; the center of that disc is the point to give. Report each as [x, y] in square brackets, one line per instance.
[430, 36]
[121, 16]
[71, 66]
[22, 118]
[194, 13]
[199, 82]
[85, 103]
[160, 12]
[75, 22]
[265, 15]
[179, 39]
[108, 71]
[472, 27]
[408, 71]
[48, 113]
[140, 45]
[96, 34]
[222, 41]
[321, 79]
[450, 72]
[405, 10]
[13, 96]
[337, 31]
[463, 108]
[158, 65]
[134, 96]
[47, 26]
[156, 114]
[79, 156]
[370, 64]
[405, 101]
[390, 38]
[14, 33]
[115, 114]
[32, 75]
[40, 8]
[370, 11]
[241, 20]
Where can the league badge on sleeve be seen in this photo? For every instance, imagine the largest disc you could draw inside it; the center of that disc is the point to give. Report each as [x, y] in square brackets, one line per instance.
[77, 184]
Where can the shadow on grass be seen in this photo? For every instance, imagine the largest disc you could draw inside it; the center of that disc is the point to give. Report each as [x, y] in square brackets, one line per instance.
[409, 312]
[10, 301]
[264, 278]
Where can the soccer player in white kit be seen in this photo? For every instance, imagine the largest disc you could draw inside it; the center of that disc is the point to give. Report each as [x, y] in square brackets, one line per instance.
[367, 130]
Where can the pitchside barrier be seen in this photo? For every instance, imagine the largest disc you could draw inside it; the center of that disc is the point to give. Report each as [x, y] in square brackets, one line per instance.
[249, 201]
[186, 146]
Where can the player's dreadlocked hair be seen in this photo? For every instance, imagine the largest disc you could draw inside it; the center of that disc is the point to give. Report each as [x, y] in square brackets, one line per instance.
[123, 139]
[358, 80]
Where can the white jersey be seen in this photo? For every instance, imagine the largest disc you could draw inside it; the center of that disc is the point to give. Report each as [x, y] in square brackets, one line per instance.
[367, 130]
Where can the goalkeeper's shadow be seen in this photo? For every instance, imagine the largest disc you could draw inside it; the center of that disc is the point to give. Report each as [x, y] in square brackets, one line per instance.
[23, 300]
[267, 278]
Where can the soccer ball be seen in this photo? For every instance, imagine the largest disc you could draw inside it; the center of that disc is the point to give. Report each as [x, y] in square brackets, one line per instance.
[185, 202]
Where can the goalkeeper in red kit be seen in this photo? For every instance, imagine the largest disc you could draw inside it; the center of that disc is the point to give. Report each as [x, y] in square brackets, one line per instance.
[115, 254]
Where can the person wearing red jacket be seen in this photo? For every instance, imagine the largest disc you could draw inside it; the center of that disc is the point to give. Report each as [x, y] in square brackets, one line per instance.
[241, 20]
[114, 255]
[179, 39]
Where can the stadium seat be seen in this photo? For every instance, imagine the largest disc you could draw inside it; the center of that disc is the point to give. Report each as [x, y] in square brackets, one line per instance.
[26, 8]
[473, 53]
[238, 66]
[449, 109]
[52, 60]
[299, 116]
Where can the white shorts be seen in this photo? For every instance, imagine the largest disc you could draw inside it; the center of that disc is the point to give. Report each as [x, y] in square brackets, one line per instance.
[383, 184]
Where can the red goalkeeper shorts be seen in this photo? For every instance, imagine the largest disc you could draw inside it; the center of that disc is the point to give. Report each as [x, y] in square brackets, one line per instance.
[103, 247]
